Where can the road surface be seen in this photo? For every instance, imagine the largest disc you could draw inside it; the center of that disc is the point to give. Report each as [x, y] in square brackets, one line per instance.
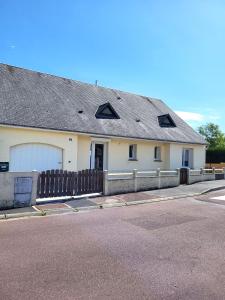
[167, 250]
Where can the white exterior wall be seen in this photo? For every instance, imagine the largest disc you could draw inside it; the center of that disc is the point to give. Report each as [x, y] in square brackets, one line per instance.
[118, 155]
[10, 137]
[83, 155]
[175, 155]
[76, 150]
[117, 151]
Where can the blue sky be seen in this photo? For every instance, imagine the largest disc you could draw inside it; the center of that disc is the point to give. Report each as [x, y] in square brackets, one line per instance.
[173, 50]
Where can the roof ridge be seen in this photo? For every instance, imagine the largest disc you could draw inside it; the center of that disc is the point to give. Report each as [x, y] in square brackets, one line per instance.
[84, 83]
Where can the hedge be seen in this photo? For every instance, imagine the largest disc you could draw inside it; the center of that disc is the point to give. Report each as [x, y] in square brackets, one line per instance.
[215, 156]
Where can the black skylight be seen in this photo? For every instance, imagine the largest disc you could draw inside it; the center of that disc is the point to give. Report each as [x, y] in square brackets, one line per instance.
[166, 121]
[106, 111]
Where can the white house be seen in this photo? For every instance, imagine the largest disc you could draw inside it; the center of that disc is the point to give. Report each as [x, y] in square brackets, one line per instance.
[49, 122]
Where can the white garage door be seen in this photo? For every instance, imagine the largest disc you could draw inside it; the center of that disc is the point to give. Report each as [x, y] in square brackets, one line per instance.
[40, 157]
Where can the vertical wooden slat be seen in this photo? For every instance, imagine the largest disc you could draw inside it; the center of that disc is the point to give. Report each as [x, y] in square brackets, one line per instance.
[38, 186]
[83, 181]
[64, 183]
[93, 180]
[89, 181]
[101, 181]
[73, 187]
[86, 181]
[72, 184]
[98, 177]
[56, 191]
[51, 183]
[68, 185]
[79, 174]
[96, 180]
[42, 184]
[47, 183]
[60, 182]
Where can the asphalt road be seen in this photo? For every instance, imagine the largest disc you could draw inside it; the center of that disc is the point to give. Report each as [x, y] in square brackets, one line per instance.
[167, 250]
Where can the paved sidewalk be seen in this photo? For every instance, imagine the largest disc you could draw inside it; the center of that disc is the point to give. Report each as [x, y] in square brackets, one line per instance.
[196, 188]
[67, 206]
[17, 210]
[162, 194]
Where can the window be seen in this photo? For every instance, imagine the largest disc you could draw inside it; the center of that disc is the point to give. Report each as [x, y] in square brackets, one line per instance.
[157, 153]
[187, 158]
[132, 152]
[166, 121]
[106, 111]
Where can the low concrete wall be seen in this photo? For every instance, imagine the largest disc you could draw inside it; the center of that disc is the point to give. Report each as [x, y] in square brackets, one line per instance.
[117, 186]
[18, 189]
[203, 175]
[116, 183]
[169, 181]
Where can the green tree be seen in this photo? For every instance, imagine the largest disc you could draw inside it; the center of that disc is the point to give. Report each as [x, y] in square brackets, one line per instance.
[213, 135]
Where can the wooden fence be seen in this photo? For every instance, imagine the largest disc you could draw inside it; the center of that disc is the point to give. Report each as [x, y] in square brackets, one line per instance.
[55, 183]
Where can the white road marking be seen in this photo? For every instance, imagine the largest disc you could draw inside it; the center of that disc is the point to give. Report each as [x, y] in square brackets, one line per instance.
[35, 208]
[219, 198]
[68, 205]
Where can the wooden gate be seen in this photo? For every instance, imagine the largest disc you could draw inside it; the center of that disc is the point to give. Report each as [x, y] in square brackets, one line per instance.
[183, 176]
[55, 183]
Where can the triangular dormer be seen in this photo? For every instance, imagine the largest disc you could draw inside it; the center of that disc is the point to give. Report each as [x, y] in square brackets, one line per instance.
[106, 111]
[166, 121]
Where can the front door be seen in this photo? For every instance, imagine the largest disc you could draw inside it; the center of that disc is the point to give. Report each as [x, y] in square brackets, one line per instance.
[99, 156]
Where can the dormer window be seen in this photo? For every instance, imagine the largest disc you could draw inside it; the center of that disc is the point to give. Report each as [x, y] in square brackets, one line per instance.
[166, 121]
[106, 111]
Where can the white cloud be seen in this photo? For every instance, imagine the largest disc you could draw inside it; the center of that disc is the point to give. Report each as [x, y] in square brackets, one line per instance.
[12, 46]
[190, 116]
[214, 118]
[196, 119]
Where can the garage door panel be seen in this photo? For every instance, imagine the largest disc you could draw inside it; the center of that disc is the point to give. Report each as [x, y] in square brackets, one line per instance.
[40, 157]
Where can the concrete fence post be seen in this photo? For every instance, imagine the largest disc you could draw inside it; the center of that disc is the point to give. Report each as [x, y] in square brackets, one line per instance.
[202, 174]
[135, 180]
[188, 175]
[35, 175]
[158, 175]
[178, 175]
[105, 183]
[214, 172]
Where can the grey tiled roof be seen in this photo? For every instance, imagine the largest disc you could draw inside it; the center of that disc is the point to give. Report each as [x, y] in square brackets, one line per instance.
[34, 99]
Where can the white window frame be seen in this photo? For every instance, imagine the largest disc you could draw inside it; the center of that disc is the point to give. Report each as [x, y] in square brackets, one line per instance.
[157, 153]
[190, 157]
[134, 152]
[105, 152]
